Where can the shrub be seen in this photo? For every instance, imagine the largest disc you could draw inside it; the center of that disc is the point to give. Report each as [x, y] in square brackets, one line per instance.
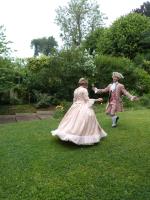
[135, 78]
[43, 100]
[61, 109]
[108, 64]
[59, 112]
[145, 100]
[15, 100]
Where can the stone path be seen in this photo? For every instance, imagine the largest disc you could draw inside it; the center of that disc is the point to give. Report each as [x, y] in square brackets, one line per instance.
[39, 115]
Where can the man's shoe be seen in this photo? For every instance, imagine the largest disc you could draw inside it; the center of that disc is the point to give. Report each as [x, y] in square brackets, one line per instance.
[114, 125]
[117, 118]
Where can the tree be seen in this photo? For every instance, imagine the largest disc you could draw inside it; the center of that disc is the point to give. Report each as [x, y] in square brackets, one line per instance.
[7, 79]
[6, 75]
[144, 9]
[145, 40]
[91, 40]
[4, 50]
[45, 46]
[78, 19]
[124, 37]
[57, 75]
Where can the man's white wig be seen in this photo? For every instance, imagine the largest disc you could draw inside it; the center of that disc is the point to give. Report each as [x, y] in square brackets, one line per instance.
[118, 75]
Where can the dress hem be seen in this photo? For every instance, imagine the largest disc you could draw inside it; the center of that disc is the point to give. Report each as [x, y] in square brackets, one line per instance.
[79, 140]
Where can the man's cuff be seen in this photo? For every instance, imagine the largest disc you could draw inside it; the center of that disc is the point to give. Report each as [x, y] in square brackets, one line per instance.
[132, 98]
[96, 90]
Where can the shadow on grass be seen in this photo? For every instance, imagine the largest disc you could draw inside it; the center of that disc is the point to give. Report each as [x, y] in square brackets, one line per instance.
[73, 146]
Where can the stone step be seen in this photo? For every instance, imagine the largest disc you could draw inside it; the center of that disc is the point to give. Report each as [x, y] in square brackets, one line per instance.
[7, 119]
[43, 116]
[42, 112]
[27, 118]
[39, 115]
[25, 114]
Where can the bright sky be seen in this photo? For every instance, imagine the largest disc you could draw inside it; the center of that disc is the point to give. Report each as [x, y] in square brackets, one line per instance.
[25, 20]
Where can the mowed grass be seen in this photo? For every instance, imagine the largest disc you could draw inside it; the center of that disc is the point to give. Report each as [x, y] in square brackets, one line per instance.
[36, 166]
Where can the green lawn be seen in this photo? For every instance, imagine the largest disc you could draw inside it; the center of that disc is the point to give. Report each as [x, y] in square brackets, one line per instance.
[36, 166]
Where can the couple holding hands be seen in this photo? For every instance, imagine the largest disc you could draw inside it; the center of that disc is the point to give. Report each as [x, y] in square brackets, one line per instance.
[79, 125]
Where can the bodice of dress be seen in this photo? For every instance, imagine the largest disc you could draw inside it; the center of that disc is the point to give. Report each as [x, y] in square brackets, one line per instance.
[81, 96]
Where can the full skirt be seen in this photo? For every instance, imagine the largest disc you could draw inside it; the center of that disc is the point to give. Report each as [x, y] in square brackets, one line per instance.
[80, 126]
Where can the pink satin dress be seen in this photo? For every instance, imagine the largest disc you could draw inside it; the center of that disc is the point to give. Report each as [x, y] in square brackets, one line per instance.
[79, 125]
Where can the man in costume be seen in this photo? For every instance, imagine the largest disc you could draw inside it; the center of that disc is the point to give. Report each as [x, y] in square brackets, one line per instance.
[116, 90]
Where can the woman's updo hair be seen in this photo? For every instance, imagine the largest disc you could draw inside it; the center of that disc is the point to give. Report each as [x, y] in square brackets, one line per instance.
[83, 82]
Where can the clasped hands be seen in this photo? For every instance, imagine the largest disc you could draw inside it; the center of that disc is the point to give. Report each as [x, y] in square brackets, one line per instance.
[100, 100]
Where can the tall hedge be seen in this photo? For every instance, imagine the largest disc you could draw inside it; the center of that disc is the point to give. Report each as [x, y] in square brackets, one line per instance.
[134, 78]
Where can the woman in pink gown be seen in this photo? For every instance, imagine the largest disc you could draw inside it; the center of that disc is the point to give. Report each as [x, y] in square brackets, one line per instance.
[79, 125]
